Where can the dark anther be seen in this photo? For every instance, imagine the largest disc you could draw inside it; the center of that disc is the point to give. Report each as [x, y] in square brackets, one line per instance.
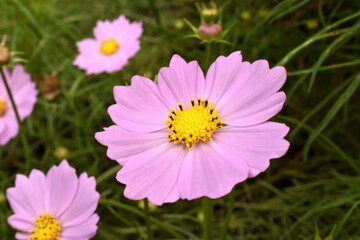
[192, 102]
[174, 131]
[199, 101]
[171, 118]
[206, 102]
[211, 111]
[180, 106]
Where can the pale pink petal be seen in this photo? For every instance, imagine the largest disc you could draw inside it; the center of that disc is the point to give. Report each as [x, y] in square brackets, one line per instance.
[122, 144]
[21, 223]
[10, 127]
[255, 112]
[22, 236]
[130, 31]
[27, 198]
[84, 203]
[153, 174]
[139, 107]
[83, 231]
[223, 75]
[256, 145]
[210, 170]
[61, 187]
[181, 81]
[248, 99]
[128, 50]
[104, 30]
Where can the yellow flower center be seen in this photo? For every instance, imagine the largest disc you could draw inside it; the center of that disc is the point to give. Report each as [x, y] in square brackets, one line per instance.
[47, 228]
[2, 107]
[109, 47]
[195, 124]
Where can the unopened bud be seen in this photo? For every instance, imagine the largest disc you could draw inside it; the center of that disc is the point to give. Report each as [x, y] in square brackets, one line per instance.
[61, 152]
[210, 30]
[4, 54]
[312, 24]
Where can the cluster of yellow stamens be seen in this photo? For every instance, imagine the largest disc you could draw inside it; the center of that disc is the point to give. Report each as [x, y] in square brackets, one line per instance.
[197, 123]
[109, 47]
[2, 107]
[47, 228]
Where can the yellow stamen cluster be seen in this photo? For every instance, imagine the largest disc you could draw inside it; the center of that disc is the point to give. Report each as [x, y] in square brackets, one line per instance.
[109, 47]
[195, 124]
[2, 107]
[47, 228]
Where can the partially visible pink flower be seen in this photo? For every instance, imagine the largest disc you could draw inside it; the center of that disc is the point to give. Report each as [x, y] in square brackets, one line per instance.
[24, 93]
[60, 205]
[189, 136]
[115, 42]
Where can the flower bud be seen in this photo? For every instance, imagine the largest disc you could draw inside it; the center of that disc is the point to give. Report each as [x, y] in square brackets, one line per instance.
[4, 55]
[210, 30]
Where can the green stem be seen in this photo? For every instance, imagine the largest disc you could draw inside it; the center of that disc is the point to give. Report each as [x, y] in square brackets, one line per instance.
[228, 214]
[147, 219]
[156, 15]
[207, 58]
[22, 133]
[142, 214]
[208, 215]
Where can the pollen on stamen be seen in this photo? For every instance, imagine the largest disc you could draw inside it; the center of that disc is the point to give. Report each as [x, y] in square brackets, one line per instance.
[193, 123]
[46, 228]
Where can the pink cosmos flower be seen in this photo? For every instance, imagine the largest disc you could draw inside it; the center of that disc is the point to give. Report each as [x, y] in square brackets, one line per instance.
[24, 93]
[115, 42]
[191, 136]
[56, 206]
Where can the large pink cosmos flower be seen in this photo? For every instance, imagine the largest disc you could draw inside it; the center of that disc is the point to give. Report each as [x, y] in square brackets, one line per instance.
[60, 205]
[24, 93]
[115, 42]
[219, 134]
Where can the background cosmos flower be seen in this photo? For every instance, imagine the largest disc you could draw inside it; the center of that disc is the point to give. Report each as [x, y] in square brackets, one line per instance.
[24, 93]
[115, 42]
[60, 202]
[218, 136]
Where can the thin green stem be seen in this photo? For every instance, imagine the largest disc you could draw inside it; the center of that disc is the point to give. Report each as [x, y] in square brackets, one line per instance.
[156, 15]
[147, 219]
[208, 215]
[142, 214]
[207, 57]
[22, 133]
[228, 214]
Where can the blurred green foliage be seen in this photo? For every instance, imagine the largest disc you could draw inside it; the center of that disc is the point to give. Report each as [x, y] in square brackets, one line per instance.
[316, 183]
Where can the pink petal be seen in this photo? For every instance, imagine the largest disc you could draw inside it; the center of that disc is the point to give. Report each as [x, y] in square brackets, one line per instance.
[84, 203]
[81, 231]
[139, 107]
[61, 187]
[26, 198]
[21, 223]
[153, 174]
[181, 81]
[223, 75]
[23, 90]
[256, 144]
[256, 112]
[210, 170]
[251, 91]
[123, 145]
[22, 236]
[104, 30]
[129, 31]
[10, 127]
